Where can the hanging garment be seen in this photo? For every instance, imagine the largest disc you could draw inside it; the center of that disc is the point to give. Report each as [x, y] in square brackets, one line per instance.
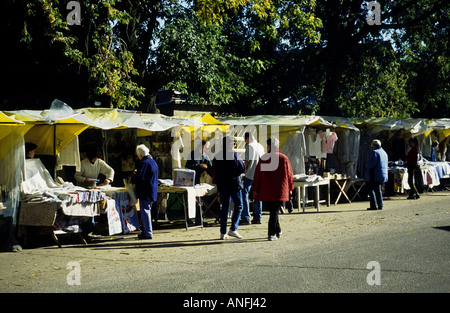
[328, 142]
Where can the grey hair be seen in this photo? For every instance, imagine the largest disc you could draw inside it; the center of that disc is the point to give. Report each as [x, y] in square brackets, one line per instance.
[142, 150]
[376, 143]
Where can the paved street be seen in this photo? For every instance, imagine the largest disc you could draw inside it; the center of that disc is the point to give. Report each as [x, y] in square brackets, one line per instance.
[407, 243]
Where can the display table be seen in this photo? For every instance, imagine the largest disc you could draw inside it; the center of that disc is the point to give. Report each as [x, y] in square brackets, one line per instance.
[301, 192]
[344, 185]
[189, 196]
[43, 214]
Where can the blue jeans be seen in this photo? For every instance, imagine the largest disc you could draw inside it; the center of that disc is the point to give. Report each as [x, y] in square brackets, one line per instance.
[375, 195]
[225, 203]
[246, 205]
[146, 217]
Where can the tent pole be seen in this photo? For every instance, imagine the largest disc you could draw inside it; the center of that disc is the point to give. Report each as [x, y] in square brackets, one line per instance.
[105, 145]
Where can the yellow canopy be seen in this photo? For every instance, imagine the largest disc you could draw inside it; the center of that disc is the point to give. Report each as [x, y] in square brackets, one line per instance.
[50, 135]
[209, 123]
[11, 131]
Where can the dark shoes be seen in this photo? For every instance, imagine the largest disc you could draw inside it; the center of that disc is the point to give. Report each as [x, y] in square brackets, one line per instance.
[248, 222]
[142, 236]
[374, 209]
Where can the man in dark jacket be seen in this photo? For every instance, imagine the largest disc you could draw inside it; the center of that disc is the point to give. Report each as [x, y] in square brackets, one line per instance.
[146, 180]
[227, 170]
[376, 175]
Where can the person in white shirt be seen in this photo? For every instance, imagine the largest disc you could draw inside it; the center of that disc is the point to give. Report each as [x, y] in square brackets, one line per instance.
[91, 167]
[253, 152]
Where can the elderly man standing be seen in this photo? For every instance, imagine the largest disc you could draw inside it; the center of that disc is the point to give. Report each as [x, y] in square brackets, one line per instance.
[273, 182]
[376, 175]
[146, 180]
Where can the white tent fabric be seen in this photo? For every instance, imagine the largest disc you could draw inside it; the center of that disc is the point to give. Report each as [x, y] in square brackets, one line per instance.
[280, 120]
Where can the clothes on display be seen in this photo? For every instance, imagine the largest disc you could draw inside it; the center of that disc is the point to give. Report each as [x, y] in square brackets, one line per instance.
[69, 156]
[295, 149]
[39, 186]
[314, 143]
[128, 213]
[432, 173]
[328, 141]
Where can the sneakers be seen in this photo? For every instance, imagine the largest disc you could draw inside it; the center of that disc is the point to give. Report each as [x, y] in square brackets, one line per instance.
[275, 237]
[234, 233]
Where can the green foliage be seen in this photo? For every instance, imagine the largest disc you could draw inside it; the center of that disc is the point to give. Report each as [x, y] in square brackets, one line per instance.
[193, 59]
[277, 56]
[92, 45]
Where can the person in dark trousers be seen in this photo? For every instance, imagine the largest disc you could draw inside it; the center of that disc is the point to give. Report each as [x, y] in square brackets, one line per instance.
[413, 167]
[376, 175]
[273, 183]
[146, 181]
[227, 170]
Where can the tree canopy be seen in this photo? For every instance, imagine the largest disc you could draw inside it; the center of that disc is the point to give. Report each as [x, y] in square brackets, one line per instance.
[269, 56]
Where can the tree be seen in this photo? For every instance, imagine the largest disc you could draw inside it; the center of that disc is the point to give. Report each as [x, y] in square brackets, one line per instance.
[269, 32]
[93, 46]
[194, 60]
[345, 36]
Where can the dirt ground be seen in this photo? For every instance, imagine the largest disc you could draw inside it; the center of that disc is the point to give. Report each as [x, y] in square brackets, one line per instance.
[31, 269]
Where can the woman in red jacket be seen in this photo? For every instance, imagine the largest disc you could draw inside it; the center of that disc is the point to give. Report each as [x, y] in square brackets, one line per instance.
[273, 183]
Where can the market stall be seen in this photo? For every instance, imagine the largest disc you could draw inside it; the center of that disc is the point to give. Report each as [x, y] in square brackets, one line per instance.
[52, 205]
[327, 149]
[394, 135]
[12, 132]
[56, 132]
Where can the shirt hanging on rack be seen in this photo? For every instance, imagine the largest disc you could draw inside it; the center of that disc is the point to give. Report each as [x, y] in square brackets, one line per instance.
[314, 143]
[328, 141]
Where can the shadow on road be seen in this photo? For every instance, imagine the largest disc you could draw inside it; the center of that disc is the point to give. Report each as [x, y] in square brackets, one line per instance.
[133, 243]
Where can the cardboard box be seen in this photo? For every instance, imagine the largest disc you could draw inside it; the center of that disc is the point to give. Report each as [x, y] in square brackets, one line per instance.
[183, 177]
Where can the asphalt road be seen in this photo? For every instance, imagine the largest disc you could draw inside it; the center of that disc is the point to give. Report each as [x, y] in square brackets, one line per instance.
[343, 249]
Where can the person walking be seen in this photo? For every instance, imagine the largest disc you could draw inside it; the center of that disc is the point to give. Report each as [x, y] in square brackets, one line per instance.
[253, 151]
[227, 170]
[376, 175]
[146, 181]
[273, 183]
